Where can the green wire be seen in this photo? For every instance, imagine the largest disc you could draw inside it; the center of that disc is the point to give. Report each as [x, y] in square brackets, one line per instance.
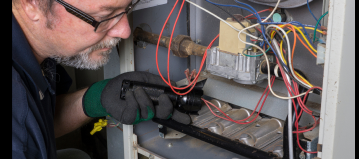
[316, 26]
[253, 55]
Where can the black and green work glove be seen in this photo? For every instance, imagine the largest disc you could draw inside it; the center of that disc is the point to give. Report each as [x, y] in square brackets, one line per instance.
[103, 98]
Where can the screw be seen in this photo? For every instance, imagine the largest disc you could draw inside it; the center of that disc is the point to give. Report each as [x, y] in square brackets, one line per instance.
[160, 126]
[162, 135]
[170, 145]
[198, 41]
[151, 156]
[301, 155]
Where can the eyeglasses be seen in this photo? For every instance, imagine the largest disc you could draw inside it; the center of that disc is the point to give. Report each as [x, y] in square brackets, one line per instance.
[102, 25]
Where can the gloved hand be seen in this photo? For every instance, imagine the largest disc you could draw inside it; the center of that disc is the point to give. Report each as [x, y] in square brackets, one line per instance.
[103, 98]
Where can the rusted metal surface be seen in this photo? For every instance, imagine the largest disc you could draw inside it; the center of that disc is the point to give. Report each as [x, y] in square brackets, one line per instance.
[141, 35]
[181, 46]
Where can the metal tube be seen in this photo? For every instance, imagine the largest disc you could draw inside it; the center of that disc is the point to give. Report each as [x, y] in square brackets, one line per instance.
[181, 46]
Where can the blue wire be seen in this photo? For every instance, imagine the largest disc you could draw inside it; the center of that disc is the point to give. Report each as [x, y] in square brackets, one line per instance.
[249, 7]
[265, 18]
[261, 44]
[229, 5]
[259, 21]
[298, 24]
[311, 12]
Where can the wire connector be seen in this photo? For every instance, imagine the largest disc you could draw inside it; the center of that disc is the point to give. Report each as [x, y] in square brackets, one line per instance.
[98, 126]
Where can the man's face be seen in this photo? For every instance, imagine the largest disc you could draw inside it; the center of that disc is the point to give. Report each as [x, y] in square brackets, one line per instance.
[73, 42]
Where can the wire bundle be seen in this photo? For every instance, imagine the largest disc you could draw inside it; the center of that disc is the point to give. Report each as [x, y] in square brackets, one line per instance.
[270, 37]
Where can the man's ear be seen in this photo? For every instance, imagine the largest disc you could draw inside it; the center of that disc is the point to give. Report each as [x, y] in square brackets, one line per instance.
[31, 9]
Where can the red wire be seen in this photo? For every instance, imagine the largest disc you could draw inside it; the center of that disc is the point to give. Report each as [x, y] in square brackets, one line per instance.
[202, 63]
[296, 123]
[169, 47]
[200, 68]
[272, 81]
[158, 42]
[159, 39]
[230, 119]
[258, 12]
[302, 105]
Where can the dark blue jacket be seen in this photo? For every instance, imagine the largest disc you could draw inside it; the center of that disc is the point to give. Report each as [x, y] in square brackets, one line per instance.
[33, 100]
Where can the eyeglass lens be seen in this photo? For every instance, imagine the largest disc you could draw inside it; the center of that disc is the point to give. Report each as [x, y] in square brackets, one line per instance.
[106, 25]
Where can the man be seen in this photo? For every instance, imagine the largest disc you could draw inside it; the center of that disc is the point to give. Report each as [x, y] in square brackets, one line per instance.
[79, 34]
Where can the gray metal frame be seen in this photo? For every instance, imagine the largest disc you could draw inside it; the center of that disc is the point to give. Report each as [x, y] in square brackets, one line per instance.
[337, 128]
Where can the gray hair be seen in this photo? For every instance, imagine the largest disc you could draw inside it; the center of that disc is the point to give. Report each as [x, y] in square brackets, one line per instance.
[44, 5]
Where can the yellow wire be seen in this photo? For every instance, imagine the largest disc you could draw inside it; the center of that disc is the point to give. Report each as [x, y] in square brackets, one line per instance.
[285, 62]
[305, 38]
[319, 31]
[303, 79]
[281, 52]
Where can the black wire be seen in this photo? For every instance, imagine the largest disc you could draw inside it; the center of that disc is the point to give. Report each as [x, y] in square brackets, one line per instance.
[231, 16]
[289, 74]
[278, 34]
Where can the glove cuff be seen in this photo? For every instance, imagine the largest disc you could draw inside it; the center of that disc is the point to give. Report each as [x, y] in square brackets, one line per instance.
[91, 101]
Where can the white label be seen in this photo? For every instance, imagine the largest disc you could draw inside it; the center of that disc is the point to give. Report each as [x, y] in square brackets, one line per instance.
[148, 3]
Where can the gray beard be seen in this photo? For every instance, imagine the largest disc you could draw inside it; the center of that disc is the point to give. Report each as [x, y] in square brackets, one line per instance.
[82, 60]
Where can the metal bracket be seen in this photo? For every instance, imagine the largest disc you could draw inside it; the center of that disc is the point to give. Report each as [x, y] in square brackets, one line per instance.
[168, 133]
[319, 147]
[320, 54]
[138, 149]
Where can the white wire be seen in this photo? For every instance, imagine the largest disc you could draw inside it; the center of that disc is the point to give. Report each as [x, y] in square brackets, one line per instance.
[289, 54]
[222, 20]
[265, 55]
[290, 128]
[277, 48]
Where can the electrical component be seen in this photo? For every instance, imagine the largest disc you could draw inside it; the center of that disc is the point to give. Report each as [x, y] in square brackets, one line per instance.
[241, 69]
[228, 41]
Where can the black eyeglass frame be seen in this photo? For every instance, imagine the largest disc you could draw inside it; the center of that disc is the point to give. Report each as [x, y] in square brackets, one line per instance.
[89, 19]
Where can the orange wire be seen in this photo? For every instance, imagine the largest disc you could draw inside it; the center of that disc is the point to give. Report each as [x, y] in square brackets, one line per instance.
[294, 44]
[304, 44]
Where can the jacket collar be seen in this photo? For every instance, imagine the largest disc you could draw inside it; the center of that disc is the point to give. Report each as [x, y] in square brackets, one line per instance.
[24, 58]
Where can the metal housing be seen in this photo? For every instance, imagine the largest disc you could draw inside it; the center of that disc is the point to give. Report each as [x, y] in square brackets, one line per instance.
[263, 133]
[244, 70]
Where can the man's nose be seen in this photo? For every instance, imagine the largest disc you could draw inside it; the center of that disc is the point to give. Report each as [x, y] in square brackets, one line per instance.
[121, 29]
